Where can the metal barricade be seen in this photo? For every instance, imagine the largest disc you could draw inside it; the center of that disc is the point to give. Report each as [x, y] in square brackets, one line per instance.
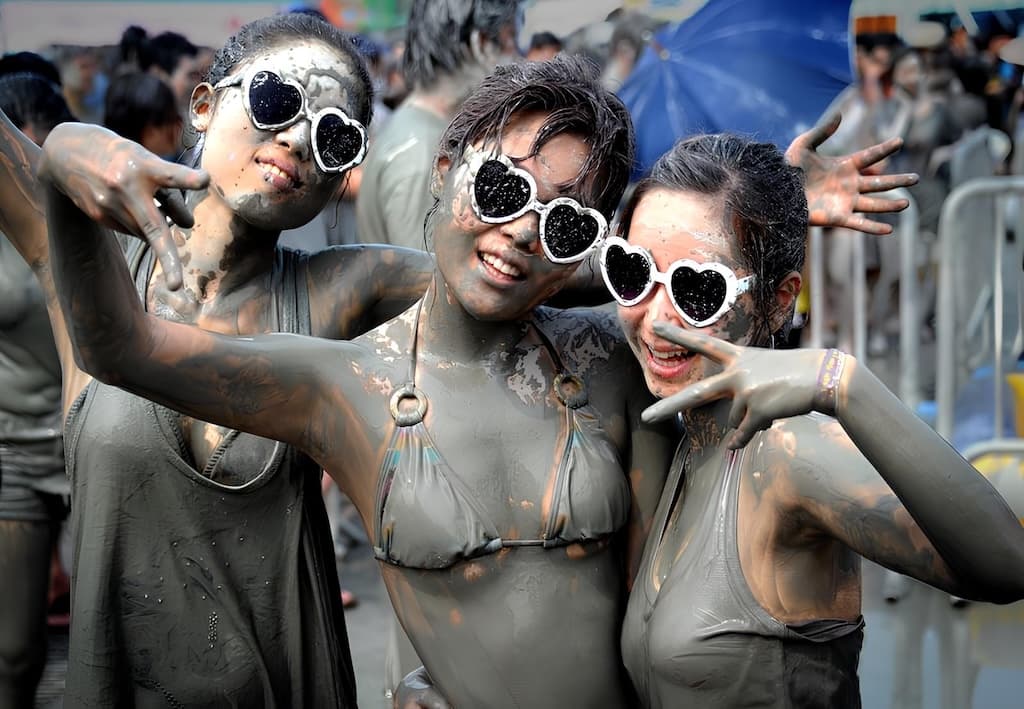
[906, 230]
[959, 321]
[819, 277]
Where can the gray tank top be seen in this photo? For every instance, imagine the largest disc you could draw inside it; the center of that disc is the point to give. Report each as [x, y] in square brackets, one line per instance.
[703, 640]
[200, 589]
[31, 452]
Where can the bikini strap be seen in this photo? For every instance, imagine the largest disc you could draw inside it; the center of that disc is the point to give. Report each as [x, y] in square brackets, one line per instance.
[409, 390]
[568, 387]
[290, 294]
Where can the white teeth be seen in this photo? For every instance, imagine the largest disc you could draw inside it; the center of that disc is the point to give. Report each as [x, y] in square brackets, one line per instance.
[275, 170]
[499, 265]
[666, 355]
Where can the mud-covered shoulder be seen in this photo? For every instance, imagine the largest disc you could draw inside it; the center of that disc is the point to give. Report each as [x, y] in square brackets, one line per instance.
[384, 355]
[809, 457]
[354, 288]
[589, 340]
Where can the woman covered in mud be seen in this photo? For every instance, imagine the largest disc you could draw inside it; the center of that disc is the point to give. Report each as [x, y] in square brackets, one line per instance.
[749, 592]
[486, 442]
[492, 446]
[34, 488]
[203, 571]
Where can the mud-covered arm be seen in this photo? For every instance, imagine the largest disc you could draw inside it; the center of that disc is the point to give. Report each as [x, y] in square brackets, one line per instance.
[838, 188]
[268, 385]
[22, 216]
[356, 288]
[975, 537]
[887, 485]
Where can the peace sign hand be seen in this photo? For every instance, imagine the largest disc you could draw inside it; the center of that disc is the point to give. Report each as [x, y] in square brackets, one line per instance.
[837, 187]
[764, 384]
[122, 186]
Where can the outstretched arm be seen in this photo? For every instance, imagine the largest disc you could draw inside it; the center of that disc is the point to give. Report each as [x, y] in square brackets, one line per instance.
[930, 515]
[266, 385]
[838, 188]
[353, 289]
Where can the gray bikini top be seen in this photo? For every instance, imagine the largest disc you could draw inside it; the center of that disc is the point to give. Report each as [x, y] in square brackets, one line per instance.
[426, 517]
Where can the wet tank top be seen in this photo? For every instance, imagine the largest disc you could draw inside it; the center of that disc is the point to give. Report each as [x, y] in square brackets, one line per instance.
[704, 641]
[213, 588]
[427, 518]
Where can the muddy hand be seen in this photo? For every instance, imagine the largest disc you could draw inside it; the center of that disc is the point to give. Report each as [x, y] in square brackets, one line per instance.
[763, 384]
[417, 691]
[838, 188]
[123, 186]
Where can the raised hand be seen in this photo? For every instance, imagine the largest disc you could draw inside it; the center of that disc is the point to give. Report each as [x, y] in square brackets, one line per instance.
[123, 186]
[838, 187]
[764, 384]
[417, 691]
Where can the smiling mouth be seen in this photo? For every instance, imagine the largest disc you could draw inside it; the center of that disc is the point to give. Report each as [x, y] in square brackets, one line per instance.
[669, 357]
[502, 269]
[276, 176]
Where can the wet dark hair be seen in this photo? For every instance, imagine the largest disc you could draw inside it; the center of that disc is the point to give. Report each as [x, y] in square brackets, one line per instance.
[164, 51]
[545, 39]
[569, 90]
[31, 63]
[438, 34]
[33, 100]
[282, 30]
[764, 203]
[137, 100]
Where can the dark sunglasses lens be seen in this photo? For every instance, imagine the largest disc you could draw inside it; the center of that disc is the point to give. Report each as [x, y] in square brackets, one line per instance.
[628, 274]
[272, 101]
[337, 141]
[568, 233]
[699, 295]
[500, 193]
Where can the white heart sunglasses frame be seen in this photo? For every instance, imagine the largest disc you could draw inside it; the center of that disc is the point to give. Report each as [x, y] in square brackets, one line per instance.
[734, 287]
[477, 161]
[244, 81]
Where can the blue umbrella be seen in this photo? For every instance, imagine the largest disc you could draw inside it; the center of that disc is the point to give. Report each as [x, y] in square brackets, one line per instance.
[765, 68]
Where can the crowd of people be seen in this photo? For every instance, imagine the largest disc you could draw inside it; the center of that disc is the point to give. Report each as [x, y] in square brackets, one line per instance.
[570, 506]
[931, 85]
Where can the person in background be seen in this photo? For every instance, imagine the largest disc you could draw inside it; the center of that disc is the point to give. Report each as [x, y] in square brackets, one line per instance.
[632, 32]
[82, 81]
[169, 56]
[395, 195]
[141, 107]
[31, 63]
[543, 46]
[34, 491]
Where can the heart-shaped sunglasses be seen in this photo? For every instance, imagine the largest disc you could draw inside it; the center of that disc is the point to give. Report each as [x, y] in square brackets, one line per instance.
[502, 192]
[701, 292]
[274, 103]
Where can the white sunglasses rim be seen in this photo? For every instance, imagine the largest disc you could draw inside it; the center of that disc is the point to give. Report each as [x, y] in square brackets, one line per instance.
[541, 208]
[735, 287]
[244, 81]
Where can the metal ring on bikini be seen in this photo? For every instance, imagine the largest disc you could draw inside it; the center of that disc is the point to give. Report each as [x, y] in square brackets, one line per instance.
[408, 418]
[574, 399]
